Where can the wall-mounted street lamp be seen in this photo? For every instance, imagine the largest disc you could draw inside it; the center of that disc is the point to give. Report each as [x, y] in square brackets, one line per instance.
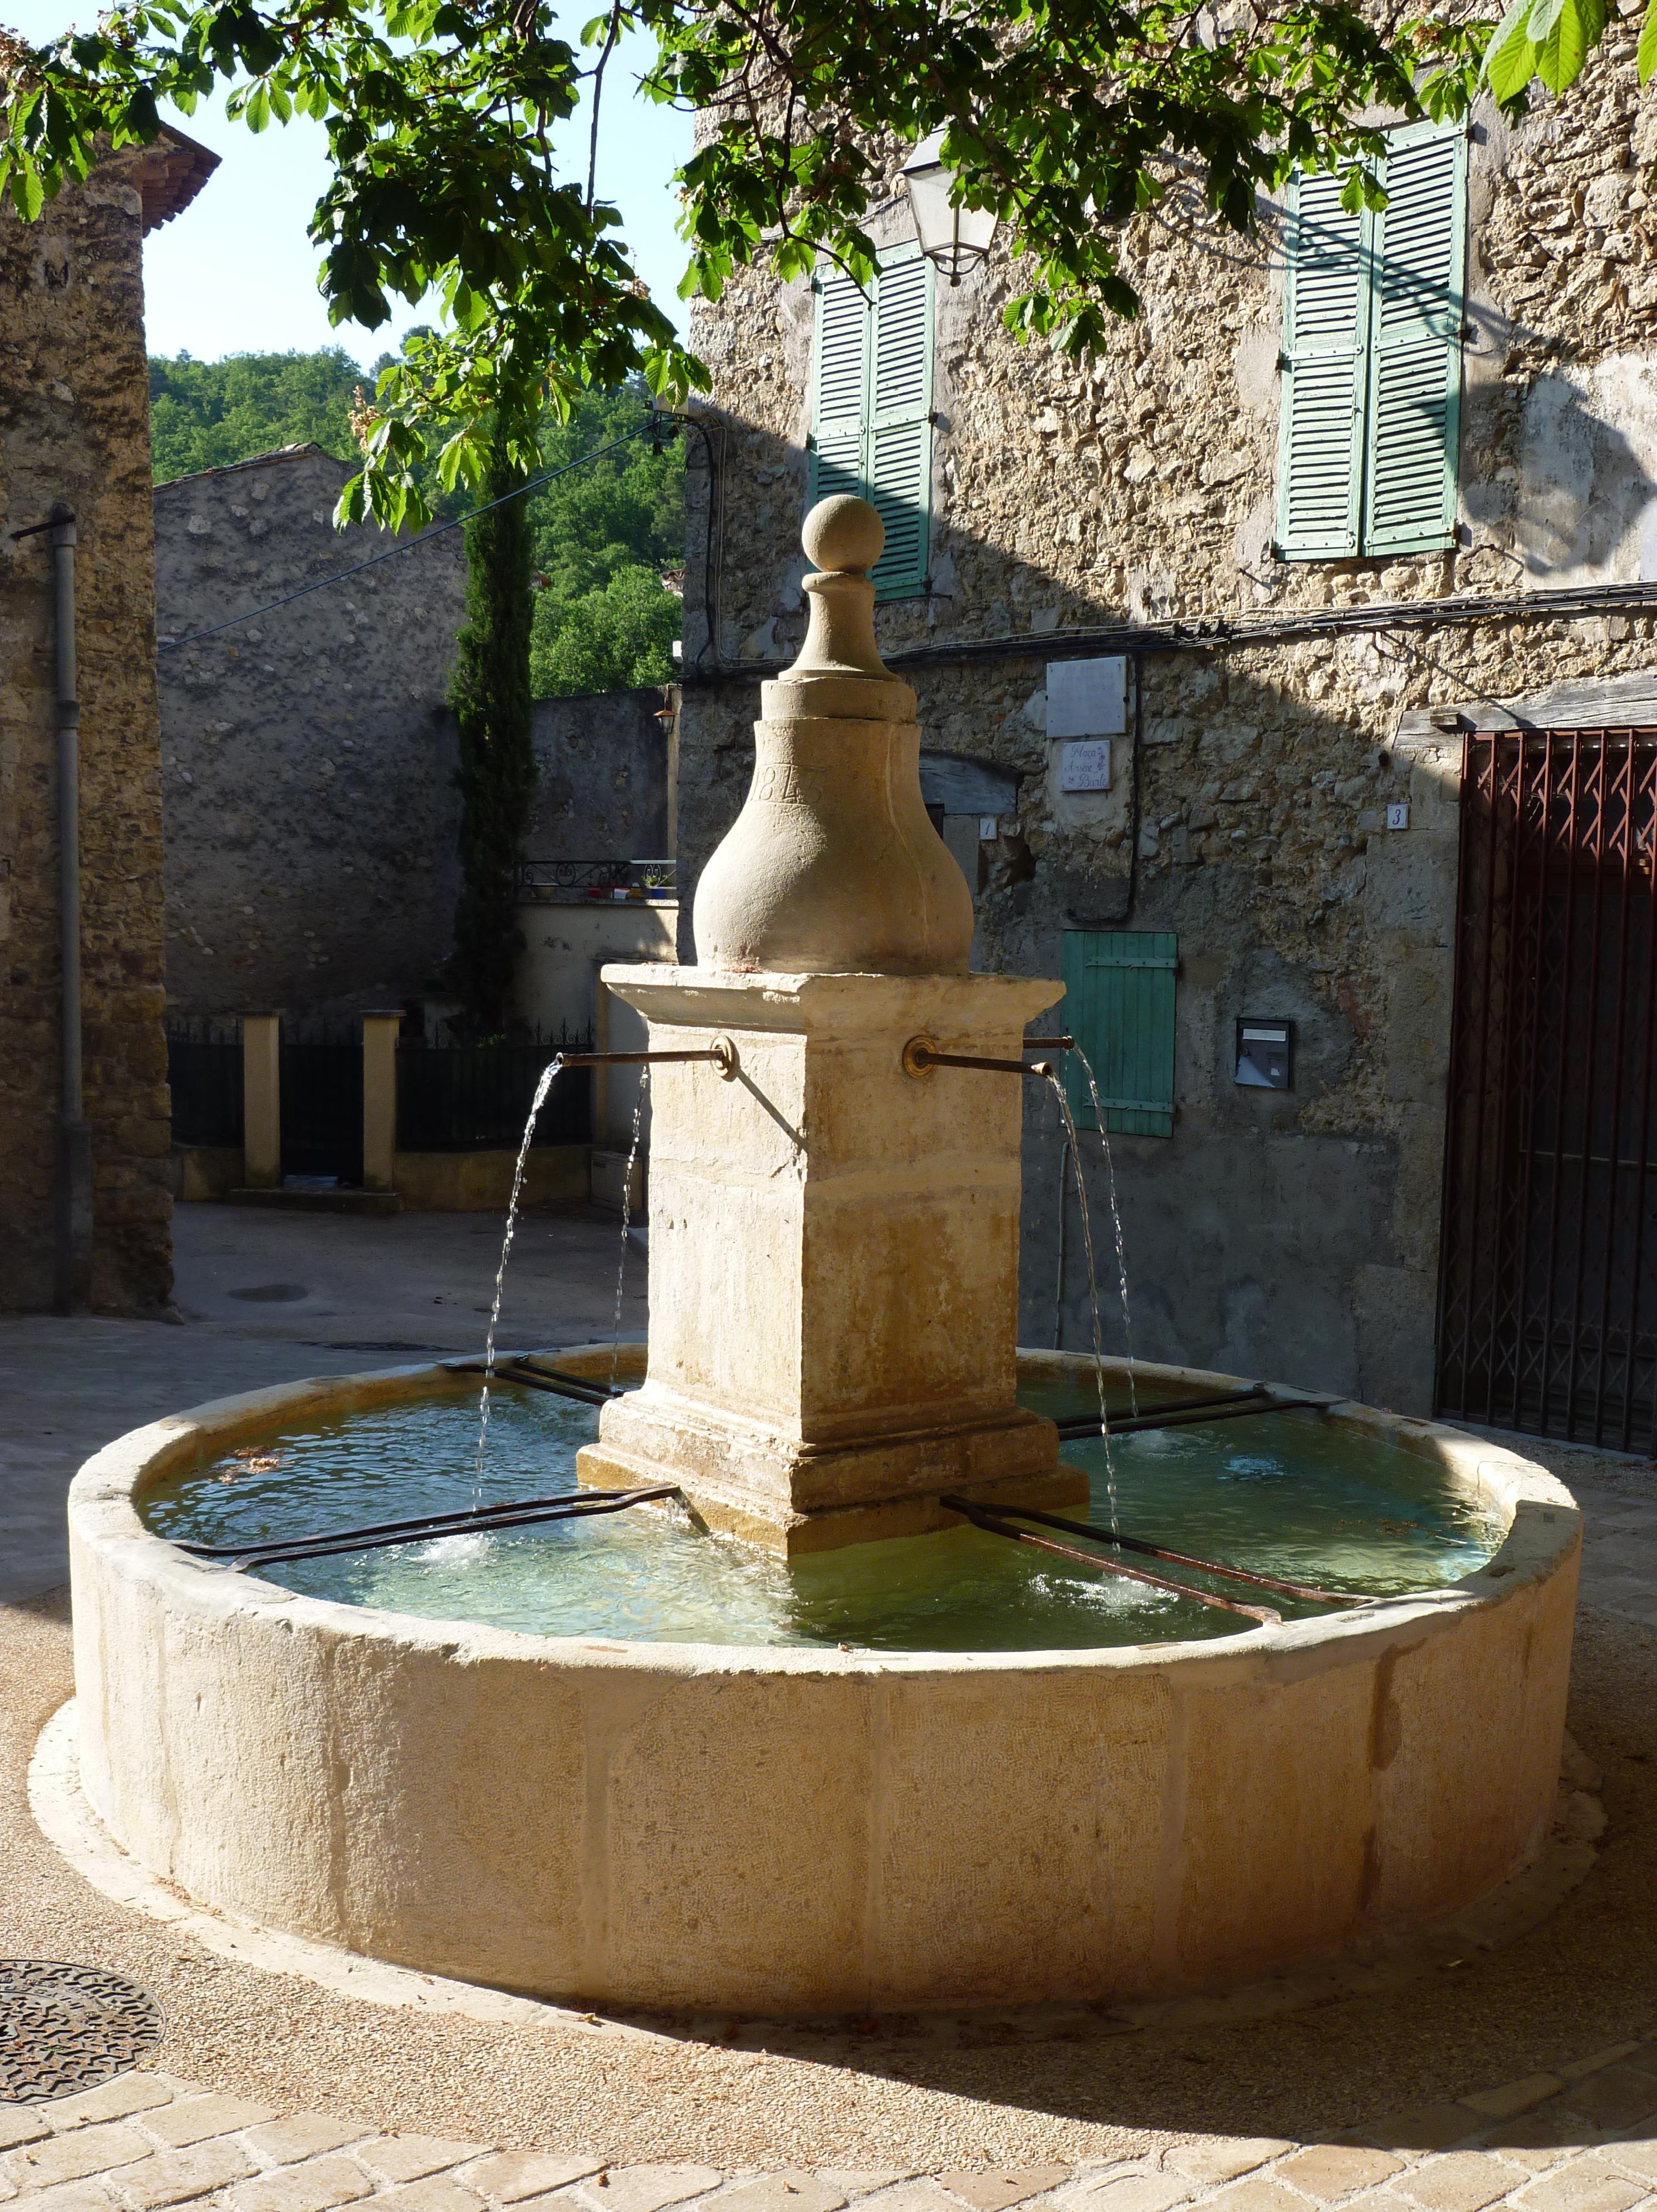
[956, 238]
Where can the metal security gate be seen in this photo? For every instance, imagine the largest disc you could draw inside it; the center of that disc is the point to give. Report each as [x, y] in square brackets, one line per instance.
[322, 1103]
[1548, 1274]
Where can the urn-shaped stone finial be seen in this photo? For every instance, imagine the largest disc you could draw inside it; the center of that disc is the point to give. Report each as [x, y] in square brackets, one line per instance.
[833, 865]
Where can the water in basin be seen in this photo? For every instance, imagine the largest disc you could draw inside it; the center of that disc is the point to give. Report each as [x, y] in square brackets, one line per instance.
[1290, 1494]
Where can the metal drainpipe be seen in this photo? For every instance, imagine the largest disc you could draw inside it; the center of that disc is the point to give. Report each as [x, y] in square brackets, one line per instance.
[74, 1269]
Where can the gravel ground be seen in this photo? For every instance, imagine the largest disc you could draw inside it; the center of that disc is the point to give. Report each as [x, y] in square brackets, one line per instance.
[1003, 2091]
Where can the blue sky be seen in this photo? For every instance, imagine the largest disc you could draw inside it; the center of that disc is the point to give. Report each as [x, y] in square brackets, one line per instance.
[236, 273]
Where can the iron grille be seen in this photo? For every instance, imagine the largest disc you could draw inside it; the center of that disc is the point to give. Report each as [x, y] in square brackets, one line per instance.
[322, 1101]
[1548, 1273]
[203, 1073]
[463, 1097]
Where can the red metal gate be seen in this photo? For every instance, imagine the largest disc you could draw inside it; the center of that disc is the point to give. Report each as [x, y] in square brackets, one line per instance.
[1547, 1269]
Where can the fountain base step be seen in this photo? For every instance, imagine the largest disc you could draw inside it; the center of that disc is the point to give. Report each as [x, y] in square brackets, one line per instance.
[794, 1498]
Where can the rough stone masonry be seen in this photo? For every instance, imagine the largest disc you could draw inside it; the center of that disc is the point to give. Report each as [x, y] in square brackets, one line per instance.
[75, 427]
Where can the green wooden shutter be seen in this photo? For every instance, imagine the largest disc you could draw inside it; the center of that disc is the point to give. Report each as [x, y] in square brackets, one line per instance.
[839, 386]
[1415, 343]
[1119, 1006]
[897, 462]
[1325, 318]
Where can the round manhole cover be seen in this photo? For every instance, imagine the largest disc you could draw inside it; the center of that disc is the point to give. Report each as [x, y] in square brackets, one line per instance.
[63, 2028]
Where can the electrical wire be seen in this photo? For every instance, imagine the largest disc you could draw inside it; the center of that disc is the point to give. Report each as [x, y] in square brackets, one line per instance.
[1219, 633]
[409, 544]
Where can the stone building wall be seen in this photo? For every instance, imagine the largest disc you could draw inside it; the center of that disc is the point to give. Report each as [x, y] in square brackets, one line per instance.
[75, 427]
[1290, 1234]
[308, 755]
[602, 767]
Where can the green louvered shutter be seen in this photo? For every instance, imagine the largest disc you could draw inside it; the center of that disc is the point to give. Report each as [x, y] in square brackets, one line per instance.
[839, 386]
[1119, 1006]
[1415, 343]
[1326, 317]
[898, 463]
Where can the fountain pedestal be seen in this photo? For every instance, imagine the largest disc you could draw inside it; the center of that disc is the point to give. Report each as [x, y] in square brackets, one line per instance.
[833, 1259]
[833, 1239]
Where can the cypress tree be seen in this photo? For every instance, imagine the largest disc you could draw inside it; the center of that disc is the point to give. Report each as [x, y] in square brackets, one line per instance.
[489, 694]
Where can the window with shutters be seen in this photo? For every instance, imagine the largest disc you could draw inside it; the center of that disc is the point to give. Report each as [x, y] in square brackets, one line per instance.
[1119, 1006]
[872, 406]
[1371, 357]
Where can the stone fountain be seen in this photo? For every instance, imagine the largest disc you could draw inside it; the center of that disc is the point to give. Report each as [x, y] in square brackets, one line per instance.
[771, 1826]
[834, 1243]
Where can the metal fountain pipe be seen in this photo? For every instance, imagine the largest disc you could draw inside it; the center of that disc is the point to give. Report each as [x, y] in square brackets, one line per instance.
[722, 1051]
[921, 1056]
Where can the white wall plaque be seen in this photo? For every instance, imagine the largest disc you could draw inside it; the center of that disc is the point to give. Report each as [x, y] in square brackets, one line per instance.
[1087, 698]
[1085, 765]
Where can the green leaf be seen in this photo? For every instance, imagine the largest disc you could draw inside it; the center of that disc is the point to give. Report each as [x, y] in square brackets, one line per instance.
[1647, 51]
[256, 115]
[28, 196]
[1580, 26]
[1510, 58]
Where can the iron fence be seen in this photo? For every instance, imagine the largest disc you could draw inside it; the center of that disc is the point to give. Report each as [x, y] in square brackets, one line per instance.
[601, 879]
[1548, 1291]
[462, 1097]
[203, 1072]
[322, 1101]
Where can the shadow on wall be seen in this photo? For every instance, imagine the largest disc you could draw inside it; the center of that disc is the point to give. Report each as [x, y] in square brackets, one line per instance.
[1290, 1234]
[1584, 508]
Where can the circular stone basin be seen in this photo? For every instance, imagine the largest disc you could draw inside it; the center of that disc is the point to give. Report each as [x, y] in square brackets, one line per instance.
[624, 1762]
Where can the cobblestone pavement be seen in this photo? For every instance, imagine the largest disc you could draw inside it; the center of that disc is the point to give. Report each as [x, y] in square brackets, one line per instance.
[1583, 2140]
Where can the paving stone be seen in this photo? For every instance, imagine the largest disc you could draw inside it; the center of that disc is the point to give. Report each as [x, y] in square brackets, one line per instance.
[1465, 2181]
[1426, 2127]
[193, 2119]
[113, 2100]
[791, 2191]
[72, 2157]
[311, 2186]
[509, 2175]
[645, 2188]
[8, 2189]
[1255, 2193]
[1597, 2059]
[1514, 2098]
[1223, 2158]
[1587, 2186]
[862, 2181]
[411, 2158]
[437, 2194]
[301, 2135]
[921, 2195]
[1639, 2158]
[1618, 2097]
[173, 2177]
[993, 2190]
[1540, 2140]
[24, 2126]
[1128, 2192]
[1332, 2171]
[71, 2196]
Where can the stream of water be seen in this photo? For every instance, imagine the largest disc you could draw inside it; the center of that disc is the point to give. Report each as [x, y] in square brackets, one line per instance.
[1057, 1082]
[627, 1216]
[549, 1075]
[1115, 1224]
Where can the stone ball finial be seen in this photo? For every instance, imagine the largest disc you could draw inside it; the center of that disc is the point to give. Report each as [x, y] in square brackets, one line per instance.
[842, 532]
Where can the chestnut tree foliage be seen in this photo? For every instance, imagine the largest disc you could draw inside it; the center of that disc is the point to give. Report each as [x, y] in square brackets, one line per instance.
[459, 164]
